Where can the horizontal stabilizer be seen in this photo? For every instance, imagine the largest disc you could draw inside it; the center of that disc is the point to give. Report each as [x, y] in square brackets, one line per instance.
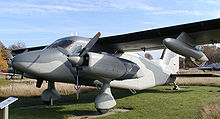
[195, 75]
[18, 51]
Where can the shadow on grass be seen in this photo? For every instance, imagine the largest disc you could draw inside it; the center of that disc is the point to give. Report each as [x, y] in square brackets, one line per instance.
[81, 112]
[48, 113]
[165, 91]
[197, 84]
[35, 108]
[88, 97]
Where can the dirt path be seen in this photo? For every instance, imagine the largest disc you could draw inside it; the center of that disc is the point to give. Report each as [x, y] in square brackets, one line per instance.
[95, 115]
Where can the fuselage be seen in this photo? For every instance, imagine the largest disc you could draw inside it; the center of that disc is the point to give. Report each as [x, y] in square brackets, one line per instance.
[152, 74]
[124, 70]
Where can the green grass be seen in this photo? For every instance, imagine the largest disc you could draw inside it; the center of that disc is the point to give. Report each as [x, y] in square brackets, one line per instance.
[153, 103]
[4, 82]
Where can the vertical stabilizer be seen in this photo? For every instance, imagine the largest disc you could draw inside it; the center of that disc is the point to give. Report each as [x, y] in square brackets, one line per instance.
[170, 61]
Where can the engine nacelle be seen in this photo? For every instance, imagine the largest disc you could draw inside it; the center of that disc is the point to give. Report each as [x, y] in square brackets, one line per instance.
[180, 46]
[108, 66]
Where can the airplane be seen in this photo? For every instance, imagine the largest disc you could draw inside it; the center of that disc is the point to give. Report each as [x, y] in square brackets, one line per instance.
[11, 72]
[211, 67]
[109, 63]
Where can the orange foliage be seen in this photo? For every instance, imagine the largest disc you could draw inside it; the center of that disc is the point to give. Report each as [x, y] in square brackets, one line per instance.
[3, 56]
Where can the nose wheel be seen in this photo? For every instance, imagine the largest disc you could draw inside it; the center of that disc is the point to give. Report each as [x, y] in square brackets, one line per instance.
[102, 111]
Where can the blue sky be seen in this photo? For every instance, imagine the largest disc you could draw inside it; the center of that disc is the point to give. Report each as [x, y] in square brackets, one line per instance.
[40, 22]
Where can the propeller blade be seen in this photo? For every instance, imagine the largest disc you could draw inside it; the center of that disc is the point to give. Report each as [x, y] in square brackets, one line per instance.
[10, 56]
[10, 63]
[90, 44]
[77, 83]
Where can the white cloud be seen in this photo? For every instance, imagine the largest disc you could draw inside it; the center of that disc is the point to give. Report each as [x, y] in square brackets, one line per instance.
[181, 12]
[72, 5]
[58, 6]
[124, 4]
[24, 30]
[213, 2]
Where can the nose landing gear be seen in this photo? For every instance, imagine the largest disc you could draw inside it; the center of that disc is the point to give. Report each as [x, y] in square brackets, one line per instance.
[50, 94]
[176, 87]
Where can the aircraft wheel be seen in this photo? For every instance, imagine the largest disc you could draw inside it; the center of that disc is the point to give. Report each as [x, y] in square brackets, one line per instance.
[102, 111]
[46, 102]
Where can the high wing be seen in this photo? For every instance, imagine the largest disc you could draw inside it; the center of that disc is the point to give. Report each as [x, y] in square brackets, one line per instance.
[204, 32]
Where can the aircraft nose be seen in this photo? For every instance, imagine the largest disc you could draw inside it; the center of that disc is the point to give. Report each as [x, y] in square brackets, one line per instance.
[4, 70]
[24, 61]
[17, 61]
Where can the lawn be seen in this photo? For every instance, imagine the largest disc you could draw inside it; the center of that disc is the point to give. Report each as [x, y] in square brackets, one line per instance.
[154, 103]
[4, 82]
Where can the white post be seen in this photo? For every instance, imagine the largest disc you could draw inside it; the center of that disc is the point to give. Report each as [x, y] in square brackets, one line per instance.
[5, 106]
[51, 101]
[5, 112]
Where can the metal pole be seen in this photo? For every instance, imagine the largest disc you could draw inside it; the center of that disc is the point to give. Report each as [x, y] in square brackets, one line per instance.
[5, 112]
[51, 101]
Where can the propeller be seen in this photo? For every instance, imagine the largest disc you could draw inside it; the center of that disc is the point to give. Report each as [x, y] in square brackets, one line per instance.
[10, 56]
[77, 59]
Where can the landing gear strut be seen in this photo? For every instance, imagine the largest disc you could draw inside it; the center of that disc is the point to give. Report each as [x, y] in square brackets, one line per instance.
[176, 87]
[104, 101]
[50, 94]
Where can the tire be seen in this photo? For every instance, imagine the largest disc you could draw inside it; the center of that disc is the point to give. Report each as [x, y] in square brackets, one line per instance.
[46, 102]
[102, 111]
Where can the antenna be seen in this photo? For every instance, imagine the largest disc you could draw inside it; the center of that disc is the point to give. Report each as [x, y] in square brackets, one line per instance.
[71, 33]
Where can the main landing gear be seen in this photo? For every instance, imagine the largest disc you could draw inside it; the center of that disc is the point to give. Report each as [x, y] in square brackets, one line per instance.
[176, 87]
[50, 94]
[104, 101]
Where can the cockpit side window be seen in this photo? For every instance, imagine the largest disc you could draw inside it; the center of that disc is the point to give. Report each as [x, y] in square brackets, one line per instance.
[77, 49]
[61, 43]
[68, 44]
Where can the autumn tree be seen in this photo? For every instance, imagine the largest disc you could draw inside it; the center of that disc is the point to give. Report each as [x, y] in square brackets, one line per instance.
[17, 46]
[212, 52]
[3, 56]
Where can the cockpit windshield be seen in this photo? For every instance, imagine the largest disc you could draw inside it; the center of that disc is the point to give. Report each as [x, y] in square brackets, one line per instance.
[68, 44]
